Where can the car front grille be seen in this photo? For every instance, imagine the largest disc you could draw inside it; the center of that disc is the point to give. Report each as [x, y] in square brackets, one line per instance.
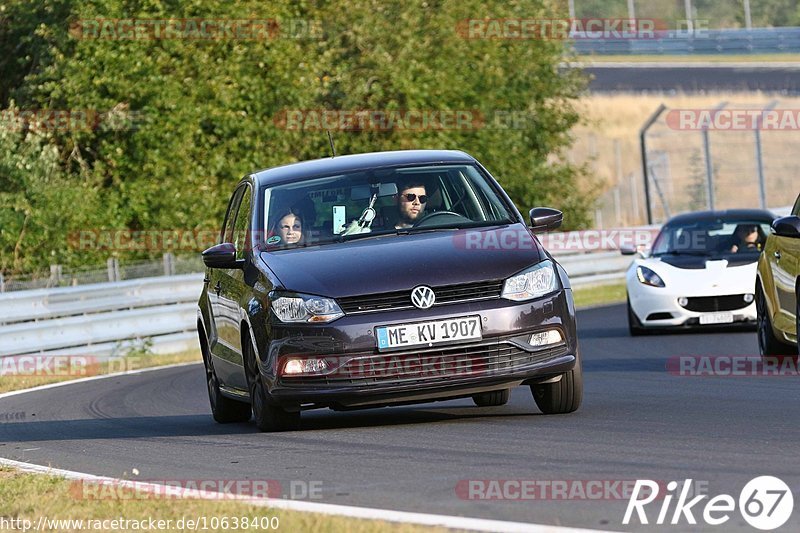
[449, 294]
[496, 357]
[705, 304]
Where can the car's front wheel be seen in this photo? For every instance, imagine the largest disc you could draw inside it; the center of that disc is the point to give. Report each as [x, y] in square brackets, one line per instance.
[562, 396]
[267, 417]
[490, 399]
[768, 344]
[634, 325]
[223, 409]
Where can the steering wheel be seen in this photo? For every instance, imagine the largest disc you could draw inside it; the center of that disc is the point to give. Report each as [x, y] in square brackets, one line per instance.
[424, 221]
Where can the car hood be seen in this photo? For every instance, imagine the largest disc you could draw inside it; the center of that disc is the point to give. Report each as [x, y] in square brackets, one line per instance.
[401, 262]
[713, 277]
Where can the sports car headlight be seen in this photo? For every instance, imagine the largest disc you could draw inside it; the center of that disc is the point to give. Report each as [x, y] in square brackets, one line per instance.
[648, 277]
[536, 281]
[306, 308]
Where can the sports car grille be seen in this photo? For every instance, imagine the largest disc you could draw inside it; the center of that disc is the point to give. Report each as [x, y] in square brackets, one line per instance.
[448, 294]
[485, 359]
[705, 304]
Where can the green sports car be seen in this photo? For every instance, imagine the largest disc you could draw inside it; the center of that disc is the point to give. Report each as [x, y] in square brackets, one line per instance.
[778, 287]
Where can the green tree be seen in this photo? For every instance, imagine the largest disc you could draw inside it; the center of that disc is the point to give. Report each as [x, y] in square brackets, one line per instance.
[196, 115]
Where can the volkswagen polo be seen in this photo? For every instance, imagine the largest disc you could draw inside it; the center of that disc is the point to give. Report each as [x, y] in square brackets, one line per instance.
[382, 279]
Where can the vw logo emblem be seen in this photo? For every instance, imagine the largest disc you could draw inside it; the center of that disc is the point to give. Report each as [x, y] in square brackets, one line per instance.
[423, 297]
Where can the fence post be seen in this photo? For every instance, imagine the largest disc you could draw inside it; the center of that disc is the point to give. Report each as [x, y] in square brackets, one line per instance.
[2, 283]
[645, 168]
[169, 264]
[55, 275]
[113, 269]
[762, 186]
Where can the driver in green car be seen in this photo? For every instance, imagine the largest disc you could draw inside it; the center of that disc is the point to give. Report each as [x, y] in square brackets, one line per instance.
[411, 202]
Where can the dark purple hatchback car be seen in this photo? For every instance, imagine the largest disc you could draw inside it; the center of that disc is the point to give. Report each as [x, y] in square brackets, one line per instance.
[382, 279]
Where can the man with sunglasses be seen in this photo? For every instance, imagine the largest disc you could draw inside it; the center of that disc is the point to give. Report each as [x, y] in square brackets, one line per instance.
[410, 203]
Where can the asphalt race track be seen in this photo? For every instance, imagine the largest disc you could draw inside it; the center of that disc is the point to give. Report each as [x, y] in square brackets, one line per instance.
[630, 77]
[637, 421]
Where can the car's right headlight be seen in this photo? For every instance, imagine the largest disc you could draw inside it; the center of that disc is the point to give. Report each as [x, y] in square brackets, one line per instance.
[538, 280]
[648, 277]
[295, 307]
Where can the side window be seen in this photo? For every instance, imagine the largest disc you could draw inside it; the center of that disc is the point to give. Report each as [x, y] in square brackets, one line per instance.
[227, 226]
[242, 224]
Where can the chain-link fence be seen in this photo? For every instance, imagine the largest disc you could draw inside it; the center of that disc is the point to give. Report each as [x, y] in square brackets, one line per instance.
[724, 157]
[115, 270]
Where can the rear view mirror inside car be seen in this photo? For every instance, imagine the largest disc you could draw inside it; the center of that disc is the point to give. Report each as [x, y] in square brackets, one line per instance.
[364, 192]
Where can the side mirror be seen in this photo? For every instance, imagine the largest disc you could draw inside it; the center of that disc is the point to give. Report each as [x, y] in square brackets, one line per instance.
[787, 226]
[221, 256]
[545, 218]
[630, 250]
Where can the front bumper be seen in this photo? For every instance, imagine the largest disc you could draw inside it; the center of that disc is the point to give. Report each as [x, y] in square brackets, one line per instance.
[501, 359]
[658, 307]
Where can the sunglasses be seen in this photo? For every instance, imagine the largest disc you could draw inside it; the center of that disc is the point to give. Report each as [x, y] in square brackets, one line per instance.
[410, 197]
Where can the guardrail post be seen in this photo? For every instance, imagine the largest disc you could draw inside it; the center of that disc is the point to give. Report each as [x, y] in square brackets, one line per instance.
[169, 264]
[55, 275]
[113, 269]
[2, 283]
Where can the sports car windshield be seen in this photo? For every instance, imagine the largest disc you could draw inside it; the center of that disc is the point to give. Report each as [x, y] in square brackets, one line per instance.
[380, 202]
[712, 238]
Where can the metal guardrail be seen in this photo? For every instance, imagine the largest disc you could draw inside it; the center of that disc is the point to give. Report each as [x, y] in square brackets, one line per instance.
[702, 42]
[102, 318]
[107, 319]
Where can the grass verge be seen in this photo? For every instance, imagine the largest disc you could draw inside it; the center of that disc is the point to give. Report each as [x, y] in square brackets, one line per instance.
[31, 496]
[599, 295]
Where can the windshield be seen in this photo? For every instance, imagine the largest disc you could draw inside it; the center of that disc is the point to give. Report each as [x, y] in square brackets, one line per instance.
[380, 202]
[712, 238]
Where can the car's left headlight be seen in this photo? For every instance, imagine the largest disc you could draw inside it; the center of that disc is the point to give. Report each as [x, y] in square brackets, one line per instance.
[648, 277]
[306, 308]
[536, 281]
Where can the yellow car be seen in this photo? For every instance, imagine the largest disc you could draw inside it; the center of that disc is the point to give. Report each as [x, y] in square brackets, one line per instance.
[778, 287]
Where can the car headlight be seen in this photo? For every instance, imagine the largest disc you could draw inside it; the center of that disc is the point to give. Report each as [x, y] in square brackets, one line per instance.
[648, 277]
[536, 281]
[306, 308]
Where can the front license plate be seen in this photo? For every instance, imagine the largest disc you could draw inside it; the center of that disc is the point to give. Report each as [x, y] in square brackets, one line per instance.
[429, 333]
[717, 318]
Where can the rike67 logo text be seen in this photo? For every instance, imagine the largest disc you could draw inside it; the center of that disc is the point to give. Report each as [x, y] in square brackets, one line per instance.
[765, 503]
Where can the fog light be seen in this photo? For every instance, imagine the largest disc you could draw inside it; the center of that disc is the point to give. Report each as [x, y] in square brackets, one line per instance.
[748, 298]
[683, 301]
[304, 366]
[545, 338]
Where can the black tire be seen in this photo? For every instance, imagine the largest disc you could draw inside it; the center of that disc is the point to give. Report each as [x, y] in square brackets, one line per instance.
[490, 399]
[768, 344]
[268, 418]
[223, 409]
[634, 325]
[563, 396]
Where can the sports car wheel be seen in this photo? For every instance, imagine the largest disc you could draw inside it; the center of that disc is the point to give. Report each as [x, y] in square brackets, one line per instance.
[768, 344]
[634, 325]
